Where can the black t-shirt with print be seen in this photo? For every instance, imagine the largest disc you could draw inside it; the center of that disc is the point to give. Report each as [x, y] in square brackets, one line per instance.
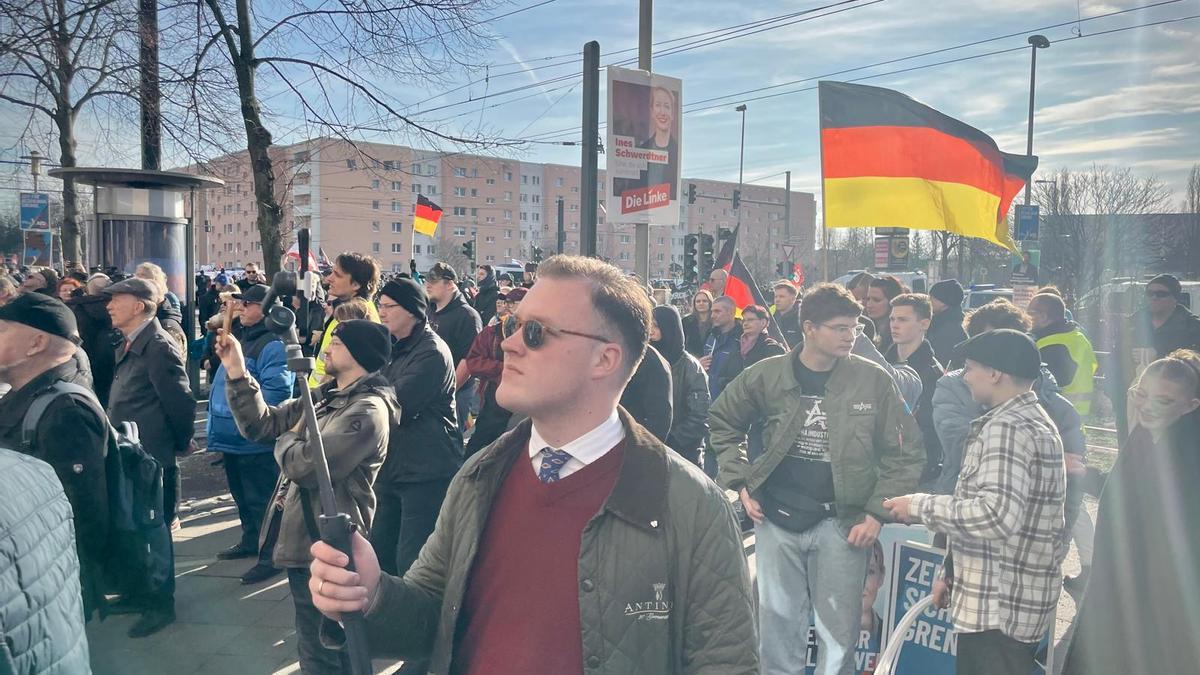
[806, 470]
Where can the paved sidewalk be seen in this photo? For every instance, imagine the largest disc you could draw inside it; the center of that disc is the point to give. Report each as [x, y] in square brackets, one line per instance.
[221, 627]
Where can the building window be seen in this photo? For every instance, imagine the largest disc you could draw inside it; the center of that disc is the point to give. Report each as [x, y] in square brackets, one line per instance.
[415, 169]
[396, 186]
[558, 182]
[508, 234]
[507, 214]
[660, 257]
[489, 200]
[474, 192]
[375, 184]
[490, 219]
[537, 180]
[300, 157]
[624, 255]
[388, 165]
[374, 225]
[416, 189]
[396, 248]
[397, 227]
[397, 267]
[508, 176]
[460, 210]
[524, 179]
[524, 198]
[461, 172]
[352, 164]
[431, 189]
[396, 207]
[375, 204]
[374, 247]
[489, 240]
[460, 231]
[491, 181]
[508, 196]
[474, 212]
[524, 215]
[537, 199]
[460, 192]
[417, 249]
[575, 188]
[536, 216]
[625, 239]
[430, 169]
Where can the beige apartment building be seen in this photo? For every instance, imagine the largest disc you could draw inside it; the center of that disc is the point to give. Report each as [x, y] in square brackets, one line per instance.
[361, 197]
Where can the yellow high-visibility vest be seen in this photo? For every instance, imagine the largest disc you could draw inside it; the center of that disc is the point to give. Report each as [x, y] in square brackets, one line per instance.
[1079, 390]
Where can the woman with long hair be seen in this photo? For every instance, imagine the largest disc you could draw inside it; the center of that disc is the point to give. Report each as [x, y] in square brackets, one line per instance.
[697, 324]
[1139, 610]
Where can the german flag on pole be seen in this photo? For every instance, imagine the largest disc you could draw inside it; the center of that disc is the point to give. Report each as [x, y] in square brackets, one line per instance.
[426, 216]
[888, 161]
[740, 286]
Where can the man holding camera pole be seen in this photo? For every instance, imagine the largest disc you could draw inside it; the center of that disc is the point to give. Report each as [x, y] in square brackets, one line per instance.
[356, 410]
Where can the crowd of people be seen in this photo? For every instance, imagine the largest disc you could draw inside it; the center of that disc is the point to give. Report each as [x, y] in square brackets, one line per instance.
[536, 467]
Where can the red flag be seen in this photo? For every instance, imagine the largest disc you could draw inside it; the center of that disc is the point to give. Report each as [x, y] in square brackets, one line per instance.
[798, 275]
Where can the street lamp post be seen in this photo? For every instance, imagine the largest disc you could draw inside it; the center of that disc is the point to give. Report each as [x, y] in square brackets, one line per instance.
[1036, 42]
[741, 159]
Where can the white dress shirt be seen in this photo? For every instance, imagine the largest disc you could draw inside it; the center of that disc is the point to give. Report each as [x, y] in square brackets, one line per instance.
[583, 450]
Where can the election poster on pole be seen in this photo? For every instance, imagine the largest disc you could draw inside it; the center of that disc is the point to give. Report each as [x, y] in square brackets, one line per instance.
[643, 145]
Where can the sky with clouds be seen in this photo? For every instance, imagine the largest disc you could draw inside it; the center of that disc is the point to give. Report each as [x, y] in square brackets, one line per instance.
[1104, 95]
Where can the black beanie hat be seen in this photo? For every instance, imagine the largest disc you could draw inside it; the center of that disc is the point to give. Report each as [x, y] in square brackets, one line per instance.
[950, 292]
[408, 294]
[43, 312]
[368, 342]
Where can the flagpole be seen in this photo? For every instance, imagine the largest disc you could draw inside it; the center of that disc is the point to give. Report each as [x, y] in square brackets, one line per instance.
[824, 201]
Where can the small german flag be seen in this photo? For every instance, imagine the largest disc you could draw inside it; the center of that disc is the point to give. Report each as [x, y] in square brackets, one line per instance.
[426, 216]
[889, 161]
[740, 286]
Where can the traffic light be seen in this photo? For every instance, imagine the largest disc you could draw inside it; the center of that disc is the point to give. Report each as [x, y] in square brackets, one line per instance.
[737, 199]
[706, 254]
[536, 252]
[468, 249]
[691, 193]
[690, 272]
[781, 270]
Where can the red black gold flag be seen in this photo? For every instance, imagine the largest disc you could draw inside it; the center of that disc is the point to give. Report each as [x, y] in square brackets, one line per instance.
[740, 286]
[889, 161]
[426, 216]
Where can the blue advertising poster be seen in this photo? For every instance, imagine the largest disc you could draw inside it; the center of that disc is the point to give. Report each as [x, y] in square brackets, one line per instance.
[1027, 222]
[930, 644]
[35, 211]
[875, 598]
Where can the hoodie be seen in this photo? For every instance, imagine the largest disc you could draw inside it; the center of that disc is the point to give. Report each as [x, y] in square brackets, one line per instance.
[97, 339]
[457, 323]
[689, 386]
[485, 298]
[670, 326]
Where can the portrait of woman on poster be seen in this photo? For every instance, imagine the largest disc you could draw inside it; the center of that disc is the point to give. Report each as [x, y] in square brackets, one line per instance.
[662, 137]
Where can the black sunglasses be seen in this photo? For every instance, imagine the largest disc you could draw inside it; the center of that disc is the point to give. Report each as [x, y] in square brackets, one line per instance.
[1158, 294]
[534, 332]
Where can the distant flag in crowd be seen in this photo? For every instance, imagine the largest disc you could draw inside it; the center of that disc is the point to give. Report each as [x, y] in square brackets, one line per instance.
[797, 275]
[740, 286]
[426, 216]
[889, 161]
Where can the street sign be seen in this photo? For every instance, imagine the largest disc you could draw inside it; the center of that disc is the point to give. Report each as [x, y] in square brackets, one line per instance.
[1027, 222]
[788, 251]
[35, 211]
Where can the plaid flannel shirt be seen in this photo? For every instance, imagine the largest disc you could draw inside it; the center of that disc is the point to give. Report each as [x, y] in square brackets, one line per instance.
[1005, 522]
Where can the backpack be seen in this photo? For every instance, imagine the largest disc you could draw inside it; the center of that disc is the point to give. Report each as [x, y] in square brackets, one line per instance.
[138, 551]
[133, 476]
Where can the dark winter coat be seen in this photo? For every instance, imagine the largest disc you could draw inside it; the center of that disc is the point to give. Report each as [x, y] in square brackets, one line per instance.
[789, 325]
[97, 339]
[764, 347]
[151, 387]
[726, 350]
[930, 370]
[663, 523]
[1138, 613]
[72, 439]
[648, 395]
[689, 386]
[485, 299]
[694, 334]
[41, 617]
[427, 444]
[945, 332]
[457, 323]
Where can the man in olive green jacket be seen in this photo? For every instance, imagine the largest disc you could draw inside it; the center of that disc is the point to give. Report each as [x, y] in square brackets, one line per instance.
[577, 542]
[838, 440]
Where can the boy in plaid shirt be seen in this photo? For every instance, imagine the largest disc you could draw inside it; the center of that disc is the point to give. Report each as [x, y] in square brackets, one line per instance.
[1005, 520]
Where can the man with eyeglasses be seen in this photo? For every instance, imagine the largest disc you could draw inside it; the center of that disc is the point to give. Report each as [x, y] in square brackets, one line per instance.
[838, 440]
[250, 465]
[426, 449]
[576, 542]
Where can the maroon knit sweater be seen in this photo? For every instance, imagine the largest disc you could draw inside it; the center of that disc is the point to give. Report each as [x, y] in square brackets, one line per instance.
[521, 608]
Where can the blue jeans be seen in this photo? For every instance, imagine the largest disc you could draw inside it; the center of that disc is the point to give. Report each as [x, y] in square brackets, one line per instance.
[816, 571]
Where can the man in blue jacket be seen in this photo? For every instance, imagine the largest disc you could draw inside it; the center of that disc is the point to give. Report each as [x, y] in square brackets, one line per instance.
[250, 466]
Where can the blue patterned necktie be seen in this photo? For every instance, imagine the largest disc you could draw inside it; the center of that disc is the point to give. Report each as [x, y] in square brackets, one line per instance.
[552, 462]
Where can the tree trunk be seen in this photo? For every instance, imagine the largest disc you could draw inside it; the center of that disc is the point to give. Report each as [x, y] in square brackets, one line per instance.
[258, 145]
[70, 222]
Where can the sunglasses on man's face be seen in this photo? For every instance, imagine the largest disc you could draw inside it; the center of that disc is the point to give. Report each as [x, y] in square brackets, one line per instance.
[534, 332]
[1158, 295]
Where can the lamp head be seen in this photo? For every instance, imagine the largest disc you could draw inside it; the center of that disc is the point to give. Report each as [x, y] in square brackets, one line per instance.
[1039, 41]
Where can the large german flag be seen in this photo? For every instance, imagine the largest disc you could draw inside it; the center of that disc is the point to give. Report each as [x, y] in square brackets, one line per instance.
[426, 216]
[889, 161]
